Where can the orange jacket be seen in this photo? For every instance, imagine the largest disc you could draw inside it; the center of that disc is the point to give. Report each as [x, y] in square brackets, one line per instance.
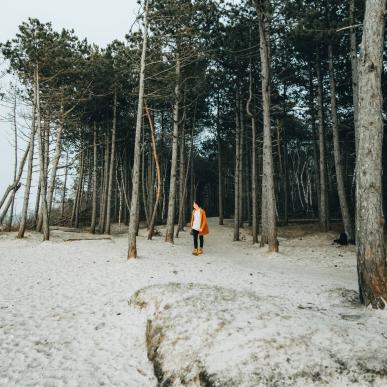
[203, 222]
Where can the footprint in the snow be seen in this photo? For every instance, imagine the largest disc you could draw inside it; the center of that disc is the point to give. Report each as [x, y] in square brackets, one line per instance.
[100, 326]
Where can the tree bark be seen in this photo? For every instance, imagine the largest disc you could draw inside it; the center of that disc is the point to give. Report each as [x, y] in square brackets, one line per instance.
[347, 220]
[269, 227]
[102, 214]
[324, 211]
[172, 182]
[241, 158]
[94, 200]
[112, 157]
[354, 66]
[220, 174]
[180, 223]
[42, 162]
[46, 150]
[55, 163]
[371, 256]
[158, 175]
[64, 186]
[254, 223]
[315, 141]
[78, 196]
[237, 170]
[134, 210]
[10, 219]
[16, 182]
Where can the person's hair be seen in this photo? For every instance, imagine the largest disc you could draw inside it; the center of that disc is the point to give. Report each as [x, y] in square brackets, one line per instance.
[197, 202]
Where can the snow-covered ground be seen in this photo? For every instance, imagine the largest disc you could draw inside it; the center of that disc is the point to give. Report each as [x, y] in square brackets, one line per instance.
[293, 316]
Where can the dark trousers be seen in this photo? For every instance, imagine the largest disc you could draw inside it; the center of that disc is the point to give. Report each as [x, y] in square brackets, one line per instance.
[195, 234]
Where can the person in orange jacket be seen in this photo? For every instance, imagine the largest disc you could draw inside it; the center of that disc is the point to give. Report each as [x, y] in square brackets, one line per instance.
[199, 227]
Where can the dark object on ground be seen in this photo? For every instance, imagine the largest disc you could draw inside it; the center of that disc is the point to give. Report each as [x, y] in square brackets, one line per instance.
[343, 240]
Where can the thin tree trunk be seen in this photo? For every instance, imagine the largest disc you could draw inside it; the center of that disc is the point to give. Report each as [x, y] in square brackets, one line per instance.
[143, 184]
[102, 219]
[324, 211]
[220, 174]
[45, 149]
[15, 183]
[158, 175]
[42, 162]
[241, 158]
[77, 203]
[37, 204]
[354, 70]
[285, 177]
[181, 205]
[237, 171]
[172, 181]
[134, 210]
[55, 163]
[180, 223]
[315, 150]
[64, 186]
[347, 220]
[6, 208]
[112, 156]
[371, 256]
[269, 227]
[254, 224]
[94, 202]
[10, 219]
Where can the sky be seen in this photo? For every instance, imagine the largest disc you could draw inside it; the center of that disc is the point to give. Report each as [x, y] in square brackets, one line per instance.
[99, 21]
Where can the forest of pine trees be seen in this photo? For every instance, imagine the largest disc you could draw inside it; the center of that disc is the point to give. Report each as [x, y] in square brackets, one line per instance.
[267, 111]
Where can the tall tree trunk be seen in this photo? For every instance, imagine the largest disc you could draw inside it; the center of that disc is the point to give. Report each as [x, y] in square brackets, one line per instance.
[94, 201]
[254, 224]
[347, 220]
[78, 195]
[42, 163]
[324, 210]
[237, 180]
[112, 157]
[269, 228]
[134, 210]
[285, 178]
[354, 69]
[191, 165]
[180, 223]
[241, 158]
[371, 256]
[10, 219]
[64, 186]
[143, 183]
[37, 204]
[46, 150]
[16, 182]
[7, 206]
[102, 215]
[315, 141]
[55, 162]
[158, 175]
[172, 181]
[220, 172]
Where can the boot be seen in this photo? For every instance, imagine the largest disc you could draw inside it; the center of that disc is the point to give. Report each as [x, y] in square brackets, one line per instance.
[200, 250]
[195, 252]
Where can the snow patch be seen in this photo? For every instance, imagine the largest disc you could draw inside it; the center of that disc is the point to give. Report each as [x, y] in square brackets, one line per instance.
[202, 335]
